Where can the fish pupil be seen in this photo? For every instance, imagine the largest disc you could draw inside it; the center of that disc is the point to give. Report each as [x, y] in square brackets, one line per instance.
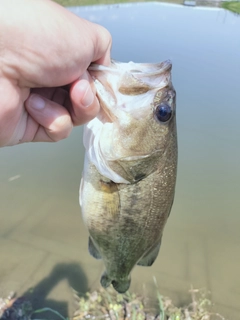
[163, 112]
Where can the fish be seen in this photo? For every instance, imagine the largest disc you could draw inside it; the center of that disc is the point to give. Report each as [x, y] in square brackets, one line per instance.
[129, 176]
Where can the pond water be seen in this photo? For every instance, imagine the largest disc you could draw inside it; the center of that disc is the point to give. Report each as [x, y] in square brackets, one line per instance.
[43, 242]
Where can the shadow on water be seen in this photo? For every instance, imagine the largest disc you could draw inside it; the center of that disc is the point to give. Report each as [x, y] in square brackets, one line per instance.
[37, 296]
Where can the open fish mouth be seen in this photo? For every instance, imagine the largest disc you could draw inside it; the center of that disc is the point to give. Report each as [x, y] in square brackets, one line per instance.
[128, 87]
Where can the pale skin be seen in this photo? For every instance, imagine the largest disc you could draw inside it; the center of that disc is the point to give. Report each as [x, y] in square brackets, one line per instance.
[45, 88]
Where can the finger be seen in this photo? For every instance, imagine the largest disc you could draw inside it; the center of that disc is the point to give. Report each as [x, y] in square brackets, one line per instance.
[47, 92]
[56, 94]
[84, 103]
[10, 112]
[102, 48]
[48, 121]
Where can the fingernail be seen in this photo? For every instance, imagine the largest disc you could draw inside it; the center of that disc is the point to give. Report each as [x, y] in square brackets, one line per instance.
[88, 97]
[36, 102]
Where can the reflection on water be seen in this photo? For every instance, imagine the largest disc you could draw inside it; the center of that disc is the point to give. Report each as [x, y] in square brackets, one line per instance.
[40, 222]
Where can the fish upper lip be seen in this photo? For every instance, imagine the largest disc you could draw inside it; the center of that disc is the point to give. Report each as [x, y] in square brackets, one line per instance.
[161, 68]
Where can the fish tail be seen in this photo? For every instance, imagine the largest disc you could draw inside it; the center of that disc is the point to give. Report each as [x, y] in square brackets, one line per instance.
[121, 286]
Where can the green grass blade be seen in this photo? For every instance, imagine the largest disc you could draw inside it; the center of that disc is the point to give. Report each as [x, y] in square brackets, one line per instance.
[49, 310]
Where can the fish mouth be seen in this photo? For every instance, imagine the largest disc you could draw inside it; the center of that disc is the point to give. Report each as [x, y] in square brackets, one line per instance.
[117, 85]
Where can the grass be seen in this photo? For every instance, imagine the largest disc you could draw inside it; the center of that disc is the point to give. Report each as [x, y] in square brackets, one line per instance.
[233, 6]
[107, 304]
[70, 3]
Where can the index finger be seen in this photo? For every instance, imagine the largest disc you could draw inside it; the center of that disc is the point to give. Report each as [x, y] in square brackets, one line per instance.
[102, 46]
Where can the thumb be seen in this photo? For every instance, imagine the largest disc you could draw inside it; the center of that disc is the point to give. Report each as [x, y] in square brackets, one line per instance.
[84, 103]
[48, 121]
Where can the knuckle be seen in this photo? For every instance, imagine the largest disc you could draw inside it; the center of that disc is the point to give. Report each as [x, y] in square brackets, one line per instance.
[107, 35]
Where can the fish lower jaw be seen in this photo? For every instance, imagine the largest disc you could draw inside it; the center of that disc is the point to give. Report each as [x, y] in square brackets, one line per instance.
[120, 285]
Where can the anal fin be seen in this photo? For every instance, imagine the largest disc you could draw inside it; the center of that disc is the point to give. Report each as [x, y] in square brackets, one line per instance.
[93, 250]
[148, 259]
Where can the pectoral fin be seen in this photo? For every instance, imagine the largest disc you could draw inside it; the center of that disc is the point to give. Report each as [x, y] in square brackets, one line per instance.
[150, 257]
[93, 250]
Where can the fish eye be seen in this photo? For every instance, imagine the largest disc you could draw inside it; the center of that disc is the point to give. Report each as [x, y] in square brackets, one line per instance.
[163, 112]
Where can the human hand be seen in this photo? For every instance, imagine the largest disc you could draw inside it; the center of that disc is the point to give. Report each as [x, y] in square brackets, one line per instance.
[45, 89]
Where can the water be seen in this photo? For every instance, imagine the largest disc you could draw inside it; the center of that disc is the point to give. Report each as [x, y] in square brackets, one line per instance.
[43, 243]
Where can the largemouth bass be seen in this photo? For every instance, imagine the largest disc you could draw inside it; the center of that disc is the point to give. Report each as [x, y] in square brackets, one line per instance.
[129, 176]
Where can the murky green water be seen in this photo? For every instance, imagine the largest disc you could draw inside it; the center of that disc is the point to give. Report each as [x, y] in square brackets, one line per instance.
[43, 243]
